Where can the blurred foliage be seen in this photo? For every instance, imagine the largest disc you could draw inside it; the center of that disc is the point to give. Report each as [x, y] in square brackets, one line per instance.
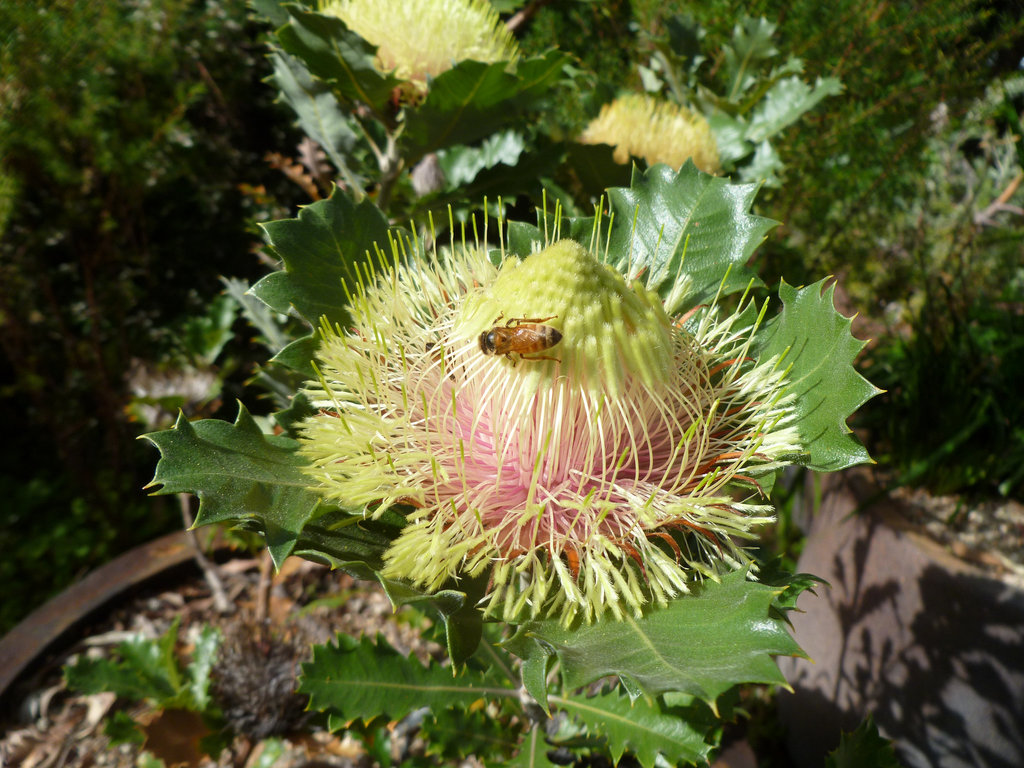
[126, 133]
[953, 361]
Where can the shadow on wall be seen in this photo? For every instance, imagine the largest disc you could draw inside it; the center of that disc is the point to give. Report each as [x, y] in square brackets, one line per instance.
[928, 644]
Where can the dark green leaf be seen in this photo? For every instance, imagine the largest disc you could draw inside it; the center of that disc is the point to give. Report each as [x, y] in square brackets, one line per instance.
[640, 728]
[326, 248]
[864, 748]
[362, 679]
[819, 352]
[455, 734]
[240, 476]
[463, 622]
[473, 99]
[702, 644]
[348, 541]
[594, 169]
[690, 224]
[299, 354]
[333, 52]
[121, 729]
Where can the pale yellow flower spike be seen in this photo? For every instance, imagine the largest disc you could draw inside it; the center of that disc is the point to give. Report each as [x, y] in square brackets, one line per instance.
[659, 132]
[417, 39]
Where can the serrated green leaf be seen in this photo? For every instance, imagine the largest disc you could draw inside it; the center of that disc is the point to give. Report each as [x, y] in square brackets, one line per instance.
[324, 249]
[724, 634]
[688, 223]
[785, 102]
[751, 43]
[121, 729]
[203, 658]
[455, 734]
[145, 670]
[336, 54]
[463, 621]
[473, 100]
[819, 352]
[240, 476]
[362, 679]
[533, 751]
[534, 673]
[298, 356]
[640, 728]
[347, 541]
[863, 748]
[764, 167]
[320, 116]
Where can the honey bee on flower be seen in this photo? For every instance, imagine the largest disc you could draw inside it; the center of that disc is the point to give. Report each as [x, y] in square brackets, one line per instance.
[606, 483]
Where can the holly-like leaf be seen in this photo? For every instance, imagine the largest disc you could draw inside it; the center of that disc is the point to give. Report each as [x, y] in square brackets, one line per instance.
[686, 235]
[863, 747]
[336, 54]
[463, 621]
[362, 679]
[724, 634]
[819, 353]
[640, 728]
[240, 475]
[669, 224]
[473, 99]
[323, 250]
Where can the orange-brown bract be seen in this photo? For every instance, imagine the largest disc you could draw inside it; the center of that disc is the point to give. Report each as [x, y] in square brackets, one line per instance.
[521, 336]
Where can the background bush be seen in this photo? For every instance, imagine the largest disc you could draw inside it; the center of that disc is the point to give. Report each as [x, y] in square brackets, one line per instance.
[127, 130]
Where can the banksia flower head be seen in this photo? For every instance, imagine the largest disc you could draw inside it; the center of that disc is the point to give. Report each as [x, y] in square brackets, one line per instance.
[659, 132]
[549, 422]
[417, 39]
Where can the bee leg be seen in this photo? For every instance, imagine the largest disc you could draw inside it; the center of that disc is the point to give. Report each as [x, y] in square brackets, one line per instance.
[543, 357]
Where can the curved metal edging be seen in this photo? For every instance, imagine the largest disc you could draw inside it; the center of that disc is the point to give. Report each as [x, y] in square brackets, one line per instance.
[41, 628]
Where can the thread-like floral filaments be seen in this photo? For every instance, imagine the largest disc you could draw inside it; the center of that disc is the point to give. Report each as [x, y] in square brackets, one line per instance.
[599, 474]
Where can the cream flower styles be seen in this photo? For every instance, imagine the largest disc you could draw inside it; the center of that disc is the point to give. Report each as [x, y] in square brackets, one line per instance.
[601, 475]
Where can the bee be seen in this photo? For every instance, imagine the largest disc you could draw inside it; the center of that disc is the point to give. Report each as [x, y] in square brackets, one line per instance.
[521, 336]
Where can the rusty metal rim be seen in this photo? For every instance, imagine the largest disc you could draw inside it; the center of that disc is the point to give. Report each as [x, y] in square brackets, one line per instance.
[38, 632]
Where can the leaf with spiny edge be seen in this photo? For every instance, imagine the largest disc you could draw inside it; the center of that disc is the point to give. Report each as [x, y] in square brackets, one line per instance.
[328, 251]
[723, 634]
[241, 476]
[671, 231]
[641, 728]
[818, 349]
[339, 56]
[353, 679]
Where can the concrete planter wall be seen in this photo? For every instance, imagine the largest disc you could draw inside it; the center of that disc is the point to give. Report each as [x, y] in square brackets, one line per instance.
[931, 646]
